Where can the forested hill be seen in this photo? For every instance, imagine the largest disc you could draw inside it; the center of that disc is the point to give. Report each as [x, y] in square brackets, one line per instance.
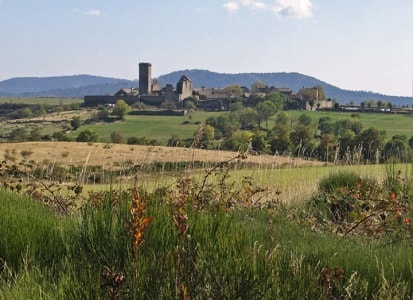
[81, 85]
[62, 86]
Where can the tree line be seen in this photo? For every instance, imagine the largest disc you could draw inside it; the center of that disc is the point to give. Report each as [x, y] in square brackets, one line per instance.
[246, 128]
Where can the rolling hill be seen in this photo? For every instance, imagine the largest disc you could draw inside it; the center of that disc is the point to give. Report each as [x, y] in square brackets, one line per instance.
[81, 85]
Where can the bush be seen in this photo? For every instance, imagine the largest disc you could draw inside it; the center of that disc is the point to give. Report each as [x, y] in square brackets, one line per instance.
[116, 137]
[364, 207]
[87, 136]
[343, 179]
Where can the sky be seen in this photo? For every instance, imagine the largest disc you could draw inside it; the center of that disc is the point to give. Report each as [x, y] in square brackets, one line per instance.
[353, 44]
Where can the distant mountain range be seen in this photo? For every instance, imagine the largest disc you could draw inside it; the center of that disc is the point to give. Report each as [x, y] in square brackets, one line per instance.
[81, 85]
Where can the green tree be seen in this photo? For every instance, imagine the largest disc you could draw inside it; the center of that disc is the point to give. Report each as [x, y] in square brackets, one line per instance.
[325, 125]
[356, 126]
[282, 118]
[371, 142]
[371, 103]
[279, 138]
[381, 104]
[347, 146]
[206, 138]
[258, 142]
[265, 110]
[397, 149]
[238, 141]
[341, 126]
[258, 85]
[76, 122]
[248, 118]
[304, 119]
[326, 149]
[277, 99]
[25, 113]
[236, 106]
[121, 109]
[61, 136]
[363, 104]
[302, 138]
[234, 91]
[227, 124]
[87, 136]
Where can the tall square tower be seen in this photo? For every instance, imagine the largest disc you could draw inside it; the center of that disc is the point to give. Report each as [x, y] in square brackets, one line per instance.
[145, 78]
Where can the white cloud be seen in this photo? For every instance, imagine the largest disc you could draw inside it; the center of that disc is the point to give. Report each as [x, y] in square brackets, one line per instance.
[93, 12]
[297, 9]
[90, 12]
[254, 4]
[231, 7]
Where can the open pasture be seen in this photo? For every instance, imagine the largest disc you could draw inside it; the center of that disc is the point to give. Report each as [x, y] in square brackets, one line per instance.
[160, 128]
[392, 124]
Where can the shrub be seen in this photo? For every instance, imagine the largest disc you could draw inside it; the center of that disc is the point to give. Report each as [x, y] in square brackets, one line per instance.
[87, 136]
[348, 204]
[116, 137]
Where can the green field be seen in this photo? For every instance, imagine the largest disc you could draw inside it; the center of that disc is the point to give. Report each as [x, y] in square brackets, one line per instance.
[392, 124]
[160, 128]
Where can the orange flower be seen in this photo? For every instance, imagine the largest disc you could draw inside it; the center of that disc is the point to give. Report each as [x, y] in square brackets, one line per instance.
[407, 221]
[392, 196]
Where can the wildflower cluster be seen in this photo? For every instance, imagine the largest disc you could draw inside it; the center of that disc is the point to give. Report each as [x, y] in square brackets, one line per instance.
[139, 223]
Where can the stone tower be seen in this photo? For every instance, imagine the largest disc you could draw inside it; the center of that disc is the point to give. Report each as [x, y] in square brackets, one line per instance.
[145, 80]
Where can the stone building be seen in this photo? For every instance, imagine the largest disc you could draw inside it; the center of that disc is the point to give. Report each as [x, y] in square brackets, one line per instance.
[145, 78]
[148, 91]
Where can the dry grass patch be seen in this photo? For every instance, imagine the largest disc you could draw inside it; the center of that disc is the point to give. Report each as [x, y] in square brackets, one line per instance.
[106, 155]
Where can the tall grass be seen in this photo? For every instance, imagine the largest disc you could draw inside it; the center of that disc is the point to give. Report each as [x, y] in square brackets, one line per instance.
[243, 253]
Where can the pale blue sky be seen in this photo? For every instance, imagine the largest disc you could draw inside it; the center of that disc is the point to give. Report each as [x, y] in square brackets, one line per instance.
[353, 44]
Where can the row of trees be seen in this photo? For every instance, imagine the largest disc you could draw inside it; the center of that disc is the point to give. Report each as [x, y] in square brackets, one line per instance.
[328, 140]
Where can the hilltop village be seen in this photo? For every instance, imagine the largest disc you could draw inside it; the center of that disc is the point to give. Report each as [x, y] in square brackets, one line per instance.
[150, 93]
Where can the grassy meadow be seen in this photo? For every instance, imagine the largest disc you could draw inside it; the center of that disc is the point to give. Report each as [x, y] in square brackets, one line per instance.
[160, 128]
[166, 244]
[117, 221]
[392, 124]
[184, 127]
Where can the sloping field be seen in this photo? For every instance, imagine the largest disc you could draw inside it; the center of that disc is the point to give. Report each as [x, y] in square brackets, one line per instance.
[110, 155]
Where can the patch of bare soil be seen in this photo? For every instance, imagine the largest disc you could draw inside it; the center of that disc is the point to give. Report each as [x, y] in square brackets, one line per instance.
[109, 156]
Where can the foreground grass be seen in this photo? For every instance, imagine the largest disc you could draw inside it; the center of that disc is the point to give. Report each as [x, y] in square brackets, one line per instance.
[243, 253]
